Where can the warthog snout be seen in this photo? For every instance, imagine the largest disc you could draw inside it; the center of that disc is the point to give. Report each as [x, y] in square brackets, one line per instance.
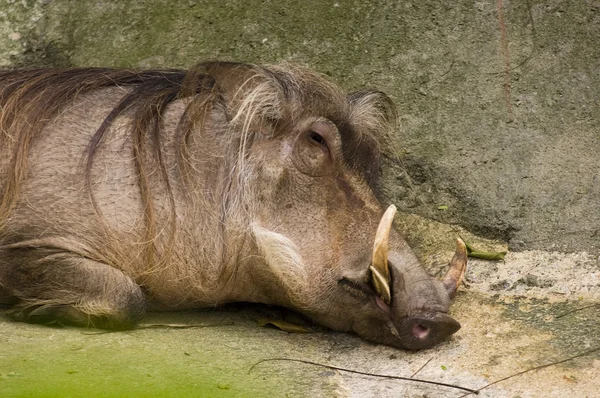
[426, 330]
[416, 303]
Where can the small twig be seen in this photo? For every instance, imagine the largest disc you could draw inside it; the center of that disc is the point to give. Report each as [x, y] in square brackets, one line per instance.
[448, 71]
[576, 310]
[161, 326]
[364, 373]
[532, 369]
[421, 368]
[182, 325]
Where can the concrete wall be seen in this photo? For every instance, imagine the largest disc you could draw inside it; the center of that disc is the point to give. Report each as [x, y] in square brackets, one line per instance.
[502, 128]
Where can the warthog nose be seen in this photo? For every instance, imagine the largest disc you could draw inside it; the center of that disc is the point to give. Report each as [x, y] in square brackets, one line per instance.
[420, 331]
[426, 330]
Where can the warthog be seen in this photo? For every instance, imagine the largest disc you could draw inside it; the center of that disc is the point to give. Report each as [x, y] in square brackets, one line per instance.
[128, 190]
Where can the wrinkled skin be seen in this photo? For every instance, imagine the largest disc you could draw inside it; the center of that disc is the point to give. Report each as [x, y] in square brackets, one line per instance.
[274, 206]
[342, 221]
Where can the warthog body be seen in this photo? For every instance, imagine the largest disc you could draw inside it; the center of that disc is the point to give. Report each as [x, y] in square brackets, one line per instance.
[124, 191]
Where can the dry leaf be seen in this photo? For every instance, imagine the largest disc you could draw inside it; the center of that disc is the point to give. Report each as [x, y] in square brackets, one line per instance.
[284, 325]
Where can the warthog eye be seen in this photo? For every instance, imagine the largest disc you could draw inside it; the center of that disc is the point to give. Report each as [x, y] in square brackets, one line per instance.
[318, 138]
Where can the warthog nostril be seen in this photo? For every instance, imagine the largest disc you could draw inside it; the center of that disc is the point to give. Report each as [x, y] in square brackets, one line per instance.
[419, 331]
[426, 329]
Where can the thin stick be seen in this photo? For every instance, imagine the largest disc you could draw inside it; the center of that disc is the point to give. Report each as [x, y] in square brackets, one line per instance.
[182, 325]
[364, 373]
[421, 368]
[532, 369]
[576, 310]
[162, 326]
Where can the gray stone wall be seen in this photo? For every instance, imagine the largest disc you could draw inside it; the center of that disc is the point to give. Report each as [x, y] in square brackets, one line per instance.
[501, 128]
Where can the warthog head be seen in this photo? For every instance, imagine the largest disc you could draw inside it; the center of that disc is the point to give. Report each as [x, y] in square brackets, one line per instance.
[330, 248]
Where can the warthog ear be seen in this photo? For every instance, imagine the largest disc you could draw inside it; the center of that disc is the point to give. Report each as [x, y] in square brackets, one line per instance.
[372, 116]
[372, 108]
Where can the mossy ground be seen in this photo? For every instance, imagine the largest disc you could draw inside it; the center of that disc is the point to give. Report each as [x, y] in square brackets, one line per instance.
[500, 336]
[212, 361]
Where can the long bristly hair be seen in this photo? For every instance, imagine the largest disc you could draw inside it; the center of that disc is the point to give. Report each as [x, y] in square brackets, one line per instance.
[257, 102]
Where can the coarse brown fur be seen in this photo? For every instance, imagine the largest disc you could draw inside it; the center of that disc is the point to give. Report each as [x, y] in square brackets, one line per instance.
[30, 98]
[182, 189]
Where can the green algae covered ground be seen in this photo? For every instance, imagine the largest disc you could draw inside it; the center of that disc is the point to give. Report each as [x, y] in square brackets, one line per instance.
[212, 361]
[501, 336]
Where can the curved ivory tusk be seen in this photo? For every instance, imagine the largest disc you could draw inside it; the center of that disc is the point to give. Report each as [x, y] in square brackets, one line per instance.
[379, 267]
[382, 285]
[457, 269]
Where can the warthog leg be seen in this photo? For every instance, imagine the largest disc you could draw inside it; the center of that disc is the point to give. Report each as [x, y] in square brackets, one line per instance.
[54, 286]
